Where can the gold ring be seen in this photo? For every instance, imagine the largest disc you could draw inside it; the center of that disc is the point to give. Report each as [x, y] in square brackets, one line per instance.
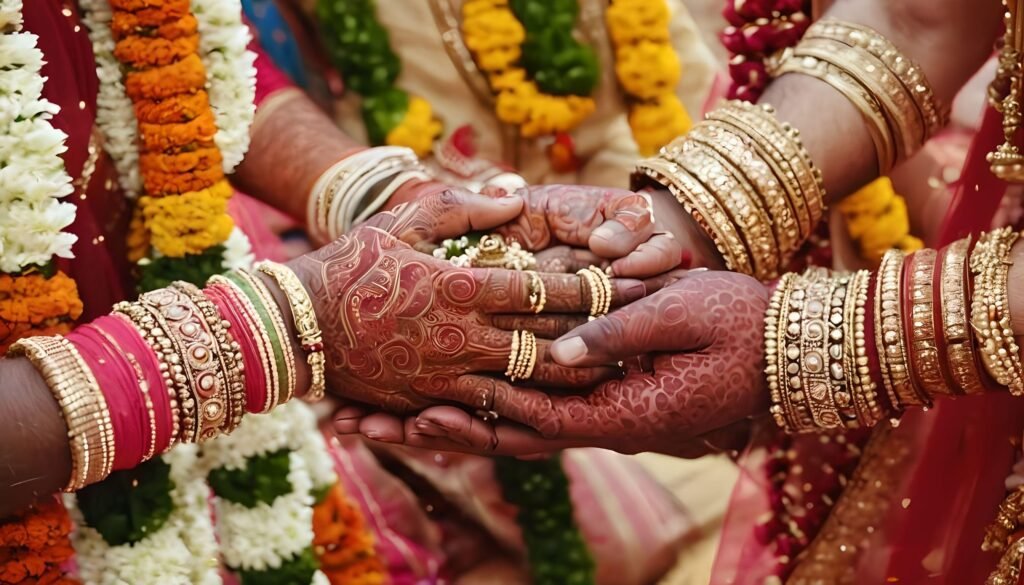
[526, 358]
[595, 290]
[486, 415]
[538, 293]
[606, 288]
[513, 356]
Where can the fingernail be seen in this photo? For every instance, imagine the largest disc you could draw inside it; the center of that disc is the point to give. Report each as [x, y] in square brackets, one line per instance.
[569, 351]
[507, 200]
[635, 291]
[605, 232]
[431, 428]
[371, 435]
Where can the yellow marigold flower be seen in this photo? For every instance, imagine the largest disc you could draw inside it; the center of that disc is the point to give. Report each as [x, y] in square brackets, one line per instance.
[418, 128]
[513, 106]
[473, 8]
[647, 70]
[551, 114]
[138, 236]
[631, 21]
[492, 29]
[508, 79]
[876, 218]
[188, 223]
[658, 122]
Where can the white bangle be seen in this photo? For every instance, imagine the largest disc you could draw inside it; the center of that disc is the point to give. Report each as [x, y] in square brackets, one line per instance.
[398, 181]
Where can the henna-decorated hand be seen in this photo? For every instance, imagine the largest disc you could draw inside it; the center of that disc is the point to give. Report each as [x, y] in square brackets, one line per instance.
[395, 319]
[702, 337]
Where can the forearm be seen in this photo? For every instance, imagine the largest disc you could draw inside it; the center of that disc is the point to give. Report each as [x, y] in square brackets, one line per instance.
[179, 365]
[852, 351]
[948, 47]
[293, 143]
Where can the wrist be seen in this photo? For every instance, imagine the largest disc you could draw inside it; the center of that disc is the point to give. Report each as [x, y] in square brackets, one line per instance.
[670, 216]
[413, 190]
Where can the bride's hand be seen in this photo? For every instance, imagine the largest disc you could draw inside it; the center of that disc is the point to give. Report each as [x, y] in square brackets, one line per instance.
[697, 382]
[393, 317]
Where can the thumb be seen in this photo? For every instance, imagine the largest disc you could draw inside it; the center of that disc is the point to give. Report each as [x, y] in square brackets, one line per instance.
[662, 322]
[456, 212]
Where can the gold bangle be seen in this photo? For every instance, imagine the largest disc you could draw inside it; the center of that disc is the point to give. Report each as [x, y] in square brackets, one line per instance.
[990, 315]
[910, 74]
[786, 409]
[954, 298]
[527, 358]
[889, 332]
[595, 290]
[868, 105]
[863, 389]
[741, 204]
[924, 358]
[785, 139]
[701, 206]
[85, 411]
[905, 121]
[740, 152]
[306, 325]
[228, 354]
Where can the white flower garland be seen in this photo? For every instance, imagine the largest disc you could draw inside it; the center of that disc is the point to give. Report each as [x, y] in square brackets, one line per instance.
[32, 173]
[115, 115]
[230, 75]
[183, 550]
[267, 535]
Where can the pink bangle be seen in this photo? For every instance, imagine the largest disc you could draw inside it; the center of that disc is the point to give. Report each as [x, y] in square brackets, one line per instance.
[133, 345]
[241, 330]
[122, 391]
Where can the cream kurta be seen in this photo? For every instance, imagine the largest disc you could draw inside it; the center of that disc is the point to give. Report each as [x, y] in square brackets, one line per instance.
[437, 67]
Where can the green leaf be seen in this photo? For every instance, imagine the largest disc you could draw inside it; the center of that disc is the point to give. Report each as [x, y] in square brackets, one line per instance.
[263, 479]
[295, 571]
[195, 268]
[382, 112]
[130, 504]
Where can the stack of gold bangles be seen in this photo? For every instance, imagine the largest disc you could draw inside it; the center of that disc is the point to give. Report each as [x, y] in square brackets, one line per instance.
[890, 91]
[523, 357]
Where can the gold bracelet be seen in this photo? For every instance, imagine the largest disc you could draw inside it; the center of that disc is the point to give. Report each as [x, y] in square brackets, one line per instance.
[889, 332]
[990, 316]
[85, 411]
[863, 389]
[954, 297]
[868, 105]
[910, 74]
[805, 184]
[228, 354]
[905, 121]
[744, 211]
[306, 324]
[748, 162]
[924, 354]
[701, 206]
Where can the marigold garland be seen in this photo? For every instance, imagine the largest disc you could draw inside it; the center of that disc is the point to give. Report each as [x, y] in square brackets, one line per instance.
[35, 304]
[360, 49]
[188, 223]
[343, 543]
[876, 218]
[648, 70]
[495, 36]
[35, 543]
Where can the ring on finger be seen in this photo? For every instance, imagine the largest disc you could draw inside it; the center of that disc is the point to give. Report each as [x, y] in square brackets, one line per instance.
[538, 293]
[522, 358]
[487, 398]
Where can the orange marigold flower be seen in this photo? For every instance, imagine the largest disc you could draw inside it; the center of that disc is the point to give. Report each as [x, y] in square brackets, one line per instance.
[136, 5]
[33, 298]
[140, 51]
[158, 183]
[167, 137]
[173, 110]
[344, 546]
[128, 23]
[188, 223]
[185, 76]
[138, 236]
[182, 162]
[35, 543]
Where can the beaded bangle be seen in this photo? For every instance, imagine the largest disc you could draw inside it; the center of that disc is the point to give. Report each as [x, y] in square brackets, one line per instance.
[150, 325]
[90, 431]
[889, 331]
[273, 321]
[863, 389]
[990, 315]
[954, 301]
[228, 353]
[305, 324]
[784, 408]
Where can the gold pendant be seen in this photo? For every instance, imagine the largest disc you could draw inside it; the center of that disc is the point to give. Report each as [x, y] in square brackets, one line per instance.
[1004, 94]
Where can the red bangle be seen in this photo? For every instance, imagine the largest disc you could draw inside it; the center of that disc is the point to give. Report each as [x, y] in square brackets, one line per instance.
[241, 331]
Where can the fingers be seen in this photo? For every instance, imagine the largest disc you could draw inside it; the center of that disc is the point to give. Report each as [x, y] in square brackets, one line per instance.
[544, 326]
[630, 222]
[566, 259]
[448, 428]
[489, 350]
[662, 322]
[448, 214]
[509, 291]
[657, 255]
